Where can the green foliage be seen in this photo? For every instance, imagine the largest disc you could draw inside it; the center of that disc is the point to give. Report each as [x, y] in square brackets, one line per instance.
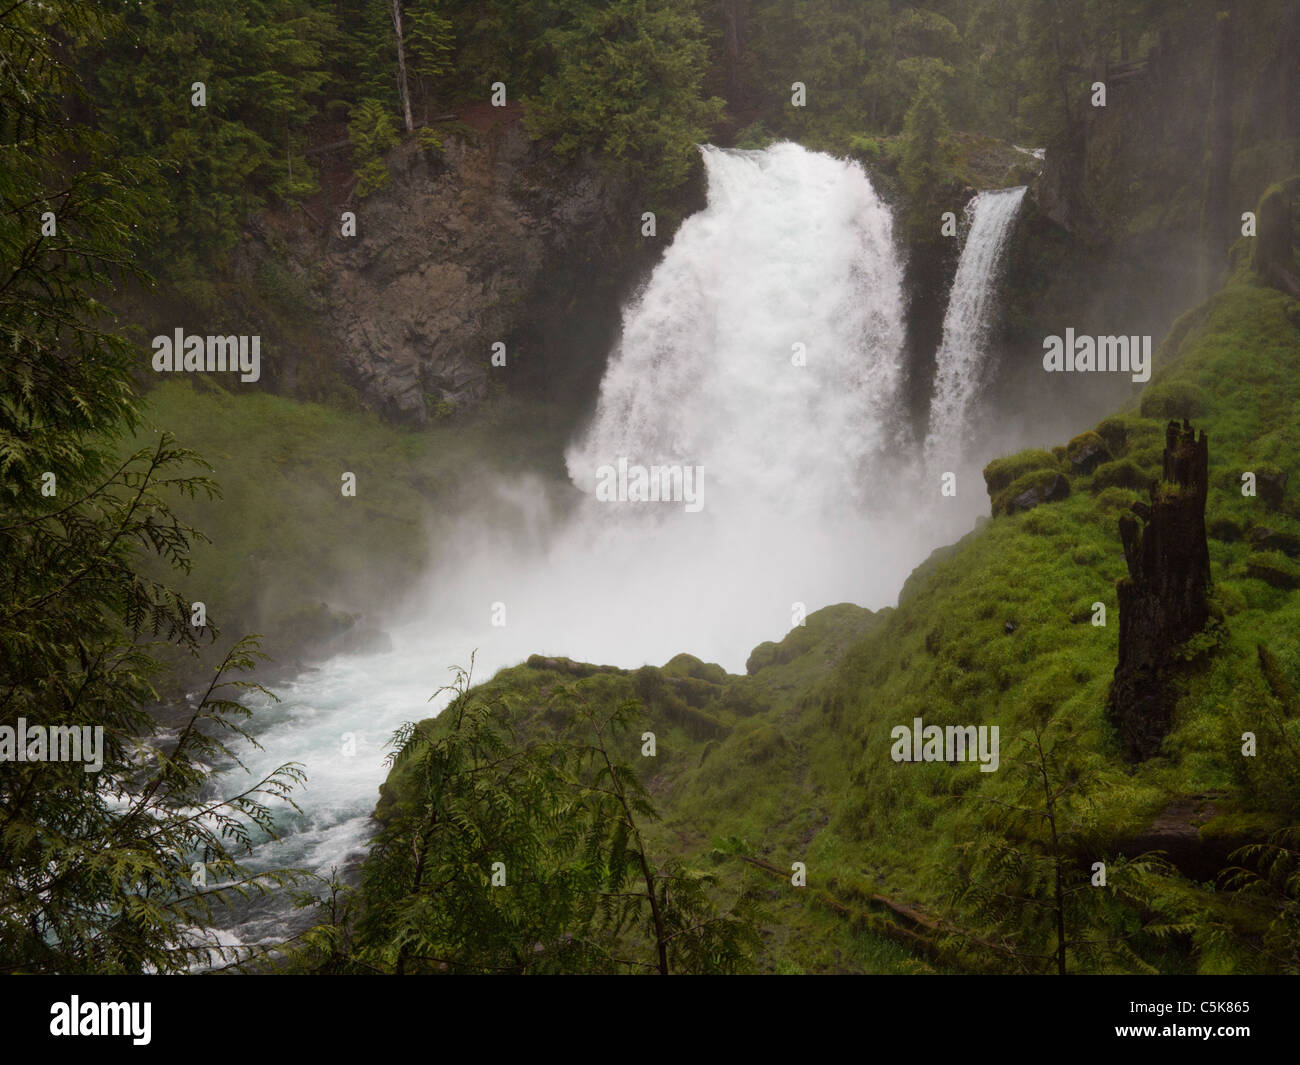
[263, 67]
[372, 133]
[1270, 873]
[996, 630]
[1028, 898]
[429, 41]
[95, 860]
[926, 154]
[1039, 482]
[559, 824]
[627, 83]
[1000, 473]
[1122, 473]
[1173, 399]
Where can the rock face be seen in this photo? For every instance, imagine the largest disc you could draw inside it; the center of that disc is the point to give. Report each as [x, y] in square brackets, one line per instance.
[1086, 452]
[492, 240]
[1050, 489]
[1177, 831]
[1163, 601]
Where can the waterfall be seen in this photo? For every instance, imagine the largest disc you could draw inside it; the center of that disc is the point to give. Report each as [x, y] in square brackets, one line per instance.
[793, 259]
[959, 364]
[766, 347]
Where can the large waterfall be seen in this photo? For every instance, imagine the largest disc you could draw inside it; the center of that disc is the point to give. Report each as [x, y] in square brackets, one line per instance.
[959, 364]
[765, 349]
[767, 345]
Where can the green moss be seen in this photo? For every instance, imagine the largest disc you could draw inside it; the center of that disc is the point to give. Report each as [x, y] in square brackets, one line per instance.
[1123, 473]
[1084, 440]
[1000, 473]
[685, 665]
[1110, 501]
[1273, 568]
[996, 629]
[1173, 399]
[1120, 432]
[1041, 486]
[284, 539]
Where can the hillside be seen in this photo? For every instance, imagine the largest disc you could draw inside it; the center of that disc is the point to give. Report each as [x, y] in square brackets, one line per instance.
[792, 762]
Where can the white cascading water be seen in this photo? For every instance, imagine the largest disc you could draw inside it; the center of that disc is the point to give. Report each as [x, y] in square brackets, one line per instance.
[959, 364]
[794, 249]
[809, 493]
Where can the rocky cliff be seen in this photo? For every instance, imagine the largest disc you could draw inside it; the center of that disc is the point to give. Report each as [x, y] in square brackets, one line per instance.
[490, 239]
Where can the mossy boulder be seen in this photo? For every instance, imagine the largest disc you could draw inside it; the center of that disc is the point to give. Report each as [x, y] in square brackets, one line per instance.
[1002, 473]
[1174, 399]
[678, 700]
[1262, 538]
[759, 745]
[1086, 452]
[1122, 473]
[1273, 568]
[1031, 490]
[1114, 432]
[768, 653]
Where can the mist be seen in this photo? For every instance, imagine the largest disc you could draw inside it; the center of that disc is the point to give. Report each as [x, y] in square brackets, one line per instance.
[765, 352]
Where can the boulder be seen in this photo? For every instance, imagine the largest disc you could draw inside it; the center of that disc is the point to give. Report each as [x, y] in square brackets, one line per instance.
[1050, 489]
[1086, 452]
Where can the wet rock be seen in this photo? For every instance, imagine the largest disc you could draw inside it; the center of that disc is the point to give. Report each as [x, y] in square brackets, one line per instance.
[1086, 452]
[1050, 489]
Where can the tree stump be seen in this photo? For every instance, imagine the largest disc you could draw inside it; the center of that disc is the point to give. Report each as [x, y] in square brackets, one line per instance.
[1163, 601]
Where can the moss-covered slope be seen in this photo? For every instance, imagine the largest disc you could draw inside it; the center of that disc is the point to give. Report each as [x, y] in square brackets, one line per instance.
[793, 762]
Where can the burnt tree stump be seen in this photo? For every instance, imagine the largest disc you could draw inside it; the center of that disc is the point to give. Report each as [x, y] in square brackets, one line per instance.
[1163, 601]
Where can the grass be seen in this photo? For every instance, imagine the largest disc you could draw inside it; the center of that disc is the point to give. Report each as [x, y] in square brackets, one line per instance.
[284, 538]
[998, 630]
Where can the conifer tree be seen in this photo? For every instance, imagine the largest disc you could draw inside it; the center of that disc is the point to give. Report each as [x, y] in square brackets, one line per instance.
[97, 861]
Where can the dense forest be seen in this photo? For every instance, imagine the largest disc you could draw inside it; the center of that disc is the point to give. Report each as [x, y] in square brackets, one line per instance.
[199, 161]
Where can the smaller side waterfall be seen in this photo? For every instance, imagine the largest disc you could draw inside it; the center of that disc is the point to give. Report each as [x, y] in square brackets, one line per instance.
[959, 364]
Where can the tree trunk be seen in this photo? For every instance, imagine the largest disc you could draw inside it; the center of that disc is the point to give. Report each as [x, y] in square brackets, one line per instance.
[402, 87]
[1058, 890]
[1163, 601]
[733, 48]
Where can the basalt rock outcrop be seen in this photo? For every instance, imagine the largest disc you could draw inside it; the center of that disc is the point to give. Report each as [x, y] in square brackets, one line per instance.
[491, 239]
[1164, 600]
